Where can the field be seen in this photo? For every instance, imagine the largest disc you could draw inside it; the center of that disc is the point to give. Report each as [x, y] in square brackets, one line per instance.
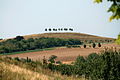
[66, 55]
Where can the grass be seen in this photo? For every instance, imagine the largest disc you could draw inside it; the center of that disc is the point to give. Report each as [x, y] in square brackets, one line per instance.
[36, 50]
[79, 36]
[11, 69]
[13, 72]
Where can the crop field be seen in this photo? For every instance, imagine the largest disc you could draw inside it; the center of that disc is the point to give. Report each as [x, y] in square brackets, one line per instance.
[65, 55]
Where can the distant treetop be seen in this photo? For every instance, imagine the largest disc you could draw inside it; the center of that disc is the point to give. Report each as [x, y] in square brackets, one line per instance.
[19, 38]
[58, 29]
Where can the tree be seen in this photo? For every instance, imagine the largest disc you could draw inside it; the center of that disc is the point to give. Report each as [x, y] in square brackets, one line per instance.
[94, 45]
[114, 8]
[65, 29]
[99, 45]
[19, 38]
[46, 29]
[84, 46]
[1, 39]
[118, 40]
[70, 29]
[50, 29]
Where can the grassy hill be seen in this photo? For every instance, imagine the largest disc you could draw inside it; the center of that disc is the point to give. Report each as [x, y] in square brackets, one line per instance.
[80, 36]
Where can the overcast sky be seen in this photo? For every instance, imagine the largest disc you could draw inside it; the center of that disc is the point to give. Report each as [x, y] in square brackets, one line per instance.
[23, 17]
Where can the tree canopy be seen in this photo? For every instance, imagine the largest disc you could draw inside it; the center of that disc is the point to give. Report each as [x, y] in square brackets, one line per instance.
[20, 44]
[114, 8]
[118, 40]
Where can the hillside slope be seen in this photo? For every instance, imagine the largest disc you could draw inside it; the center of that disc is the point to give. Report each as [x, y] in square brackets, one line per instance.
[11, 69]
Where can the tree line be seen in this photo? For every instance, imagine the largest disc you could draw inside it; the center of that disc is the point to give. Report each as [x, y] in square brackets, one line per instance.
[20, 44]
[59, 29]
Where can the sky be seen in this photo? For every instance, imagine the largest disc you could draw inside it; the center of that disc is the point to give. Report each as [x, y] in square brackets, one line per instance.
[24, 17]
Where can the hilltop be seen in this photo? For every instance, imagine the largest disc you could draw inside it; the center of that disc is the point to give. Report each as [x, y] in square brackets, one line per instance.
[80, 36]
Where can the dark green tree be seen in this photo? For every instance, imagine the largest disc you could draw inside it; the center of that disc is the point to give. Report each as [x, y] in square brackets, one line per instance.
[84, 45]
[19, 38]
[52, 59]
[99, 45]
[93, 45]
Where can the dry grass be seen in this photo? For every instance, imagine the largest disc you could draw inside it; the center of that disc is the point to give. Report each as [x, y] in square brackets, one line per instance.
[18, 73]
[80, 36]
[10, 71]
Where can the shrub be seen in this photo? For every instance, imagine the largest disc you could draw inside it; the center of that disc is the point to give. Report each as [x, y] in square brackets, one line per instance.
[52, 59]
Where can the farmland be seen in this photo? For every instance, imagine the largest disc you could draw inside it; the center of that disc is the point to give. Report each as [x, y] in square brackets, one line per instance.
[31, 45]
[64, 54]
[92, 66]
[60, 57]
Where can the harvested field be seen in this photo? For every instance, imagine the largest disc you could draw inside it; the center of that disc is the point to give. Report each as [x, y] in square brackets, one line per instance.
[65, 54]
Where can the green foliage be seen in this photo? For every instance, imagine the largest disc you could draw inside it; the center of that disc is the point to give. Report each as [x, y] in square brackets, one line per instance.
[20, 44]
[104, 66]
[93, 45]
[114, 8]
[98, 1]
[84, 46]
[19, 38]
[118, 40]
[99, 45]
[52, 59]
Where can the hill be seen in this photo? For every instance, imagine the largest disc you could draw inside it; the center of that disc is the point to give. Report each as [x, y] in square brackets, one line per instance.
[80, 36]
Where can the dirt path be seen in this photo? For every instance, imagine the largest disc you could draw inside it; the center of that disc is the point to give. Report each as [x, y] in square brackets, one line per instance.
[64, 54]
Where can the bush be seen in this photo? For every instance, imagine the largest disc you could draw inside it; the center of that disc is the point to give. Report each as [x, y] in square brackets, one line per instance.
[52, 59]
